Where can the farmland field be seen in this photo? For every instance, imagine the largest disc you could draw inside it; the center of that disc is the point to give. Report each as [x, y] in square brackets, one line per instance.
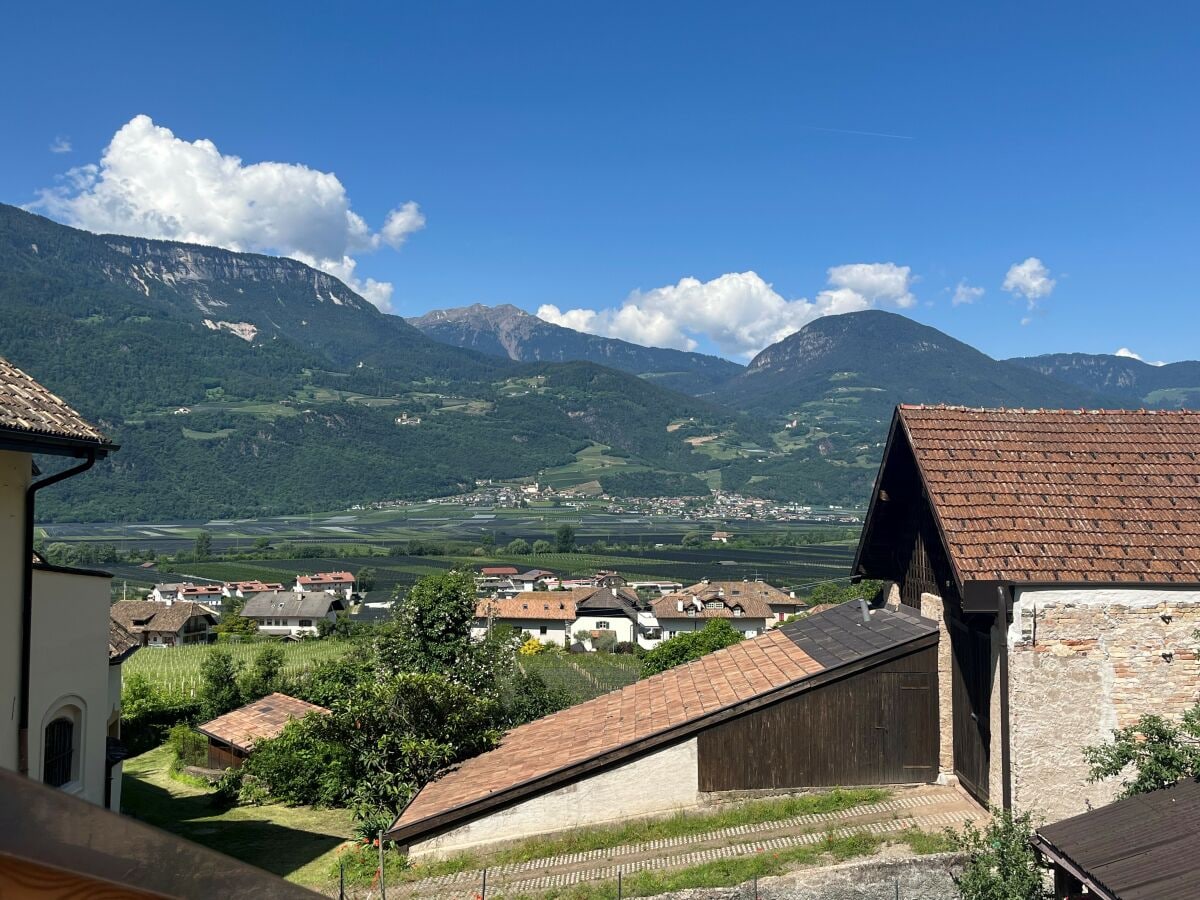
[177, 669]
[583, 675]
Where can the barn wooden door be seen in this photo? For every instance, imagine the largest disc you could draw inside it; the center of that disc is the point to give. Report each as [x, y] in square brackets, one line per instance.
[972, 645]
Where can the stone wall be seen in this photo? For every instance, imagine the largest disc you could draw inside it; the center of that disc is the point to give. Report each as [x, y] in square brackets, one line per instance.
[933, 608]
[1083, 662]
[916, 878]
[659, 783]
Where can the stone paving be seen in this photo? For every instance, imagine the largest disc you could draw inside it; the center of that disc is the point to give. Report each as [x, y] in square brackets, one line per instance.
[928, 809]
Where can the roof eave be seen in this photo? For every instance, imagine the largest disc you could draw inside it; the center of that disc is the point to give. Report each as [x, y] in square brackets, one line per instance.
[443, 821]
[54, 445]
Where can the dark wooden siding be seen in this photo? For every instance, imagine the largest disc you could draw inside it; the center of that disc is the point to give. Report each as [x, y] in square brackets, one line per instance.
[221, 756]
[877, 727]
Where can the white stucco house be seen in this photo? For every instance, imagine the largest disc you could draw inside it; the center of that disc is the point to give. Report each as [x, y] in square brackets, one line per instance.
[291, 613]
[60, 672]
[743, 604]
[340, 584]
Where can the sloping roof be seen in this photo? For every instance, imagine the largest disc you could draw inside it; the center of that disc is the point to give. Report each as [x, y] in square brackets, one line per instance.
[263, 718]
[754, 597]
[498, 570]
[1145, 847]
[1070, 496]
[304, 604]
[326, 578]
[28, 411]
[137, 616]
[660, 709]
[620, 599]
[530, 605]
[121, 642]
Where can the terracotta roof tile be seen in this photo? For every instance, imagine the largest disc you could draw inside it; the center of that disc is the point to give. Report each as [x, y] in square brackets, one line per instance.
[533, 605]
[137, 616]
[121, 642]
[1061, 495]
[27, 407]
[755, 598]
[263, 718]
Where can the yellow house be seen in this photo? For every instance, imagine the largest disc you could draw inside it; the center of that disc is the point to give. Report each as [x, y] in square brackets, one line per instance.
[59, 694]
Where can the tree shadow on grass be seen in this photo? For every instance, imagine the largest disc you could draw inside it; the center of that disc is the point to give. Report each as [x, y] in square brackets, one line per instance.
[263, 842]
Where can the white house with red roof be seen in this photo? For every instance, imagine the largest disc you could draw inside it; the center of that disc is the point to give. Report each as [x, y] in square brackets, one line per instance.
[338, 583]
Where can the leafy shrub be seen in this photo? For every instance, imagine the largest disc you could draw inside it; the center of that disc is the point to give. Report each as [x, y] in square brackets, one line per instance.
[629, 648]
[1001, 864]
[531, 647]
[1156, 751]
[715, 635]
[604, 641]
[188, 747]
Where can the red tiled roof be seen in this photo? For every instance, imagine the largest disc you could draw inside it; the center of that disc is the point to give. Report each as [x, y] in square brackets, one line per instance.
[327, 578]
[533, 605]
[137, 616]
[28, 408]
[754, 597]
[1062, 495]
[263, 718]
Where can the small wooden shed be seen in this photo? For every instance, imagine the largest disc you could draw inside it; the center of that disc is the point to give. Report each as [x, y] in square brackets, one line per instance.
[231, 737]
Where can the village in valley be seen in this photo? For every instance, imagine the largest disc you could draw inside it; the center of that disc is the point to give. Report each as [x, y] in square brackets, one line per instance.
[584, 452]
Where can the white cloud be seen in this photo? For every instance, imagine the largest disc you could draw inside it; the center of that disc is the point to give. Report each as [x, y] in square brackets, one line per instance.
[60, 145]
[152, 184]
[738, 312]
[964, 293]
[1029, 279]
[1129, 354]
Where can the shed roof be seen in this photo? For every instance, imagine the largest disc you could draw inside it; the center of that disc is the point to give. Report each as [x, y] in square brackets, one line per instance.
[1061, 495]
[121, 642]
[263, 718]
[663, 708]
[529, 605]
[31, 414]
[1145, 847]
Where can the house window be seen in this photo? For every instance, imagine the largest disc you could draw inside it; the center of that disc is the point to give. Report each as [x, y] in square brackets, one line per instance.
[58, 752]
[543, 630]
[306, 623]
[714, 604]
[602, 626]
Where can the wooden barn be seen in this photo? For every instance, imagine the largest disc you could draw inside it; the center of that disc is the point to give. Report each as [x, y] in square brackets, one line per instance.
[846, 697]
[231, 737]
[1058, 551]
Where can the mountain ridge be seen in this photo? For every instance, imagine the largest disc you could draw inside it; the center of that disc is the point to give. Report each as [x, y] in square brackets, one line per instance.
[508, 331]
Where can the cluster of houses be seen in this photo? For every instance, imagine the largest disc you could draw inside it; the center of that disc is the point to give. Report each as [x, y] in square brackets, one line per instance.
[581, 616]
[1045, 589]
[182, 613]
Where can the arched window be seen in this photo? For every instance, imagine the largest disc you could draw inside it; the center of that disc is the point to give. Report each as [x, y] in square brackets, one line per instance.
[58, 756]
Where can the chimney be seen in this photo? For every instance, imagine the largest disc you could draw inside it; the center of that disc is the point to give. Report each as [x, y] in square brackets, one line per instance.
[679, 605]
[865, 610]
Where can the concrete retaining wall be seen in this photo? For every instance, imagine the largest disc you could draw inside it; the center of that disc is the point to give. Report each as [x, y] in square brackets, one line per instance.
[657, 784]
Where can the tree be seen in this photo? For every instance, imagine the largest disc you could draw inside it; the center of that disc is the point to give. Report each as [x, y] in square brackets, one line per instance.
[841, 592]
[1001, 864]
[517, 547]
[715, 635]
[693, 539]
[203, 547]
[1158, 751]
[263, 677]
[564, 539]
[219, 691]
[262, 543]
[540, 547]
[366, 579]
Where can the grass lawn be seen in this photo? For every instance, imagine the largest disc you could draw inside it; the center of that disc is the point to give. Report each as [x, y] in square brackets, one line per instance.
[297, 843]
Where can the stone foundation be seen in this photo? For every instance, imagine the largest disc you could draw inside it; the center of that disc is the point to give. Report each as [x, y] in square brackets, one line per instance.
[933, 608]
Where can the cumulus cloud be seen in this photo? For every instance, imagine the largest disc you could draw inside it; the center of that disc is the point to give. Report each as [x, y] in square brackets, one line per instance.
[1029, 279]
[964, 293]
[152, 184]
[739, 312]
[1129, 354]
[60, 145]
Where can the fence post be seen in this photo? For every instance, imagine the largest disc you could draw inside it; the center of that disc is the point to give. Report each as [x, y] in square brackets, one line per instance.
[620, 886]
[755, 887]
[382, 871]
[483, 892]
[341, 879]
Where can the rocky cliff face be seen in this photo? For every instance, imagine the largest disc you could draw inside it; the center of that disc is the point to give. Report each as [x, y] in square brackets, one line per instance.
[511, 332]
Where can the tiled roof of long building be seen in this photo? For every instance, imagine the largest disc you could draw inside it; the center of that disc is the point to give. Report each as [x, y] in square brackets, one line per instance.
[1063, 495]
[29, 409]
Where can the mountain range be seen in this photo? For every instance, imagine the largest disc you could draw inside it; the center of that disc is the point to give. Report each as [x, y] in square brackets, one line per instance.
[242, 385]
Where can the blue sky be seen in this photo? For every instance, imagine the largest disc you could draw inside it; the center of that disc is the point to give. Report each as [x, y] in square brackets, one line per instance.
[571, 154]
